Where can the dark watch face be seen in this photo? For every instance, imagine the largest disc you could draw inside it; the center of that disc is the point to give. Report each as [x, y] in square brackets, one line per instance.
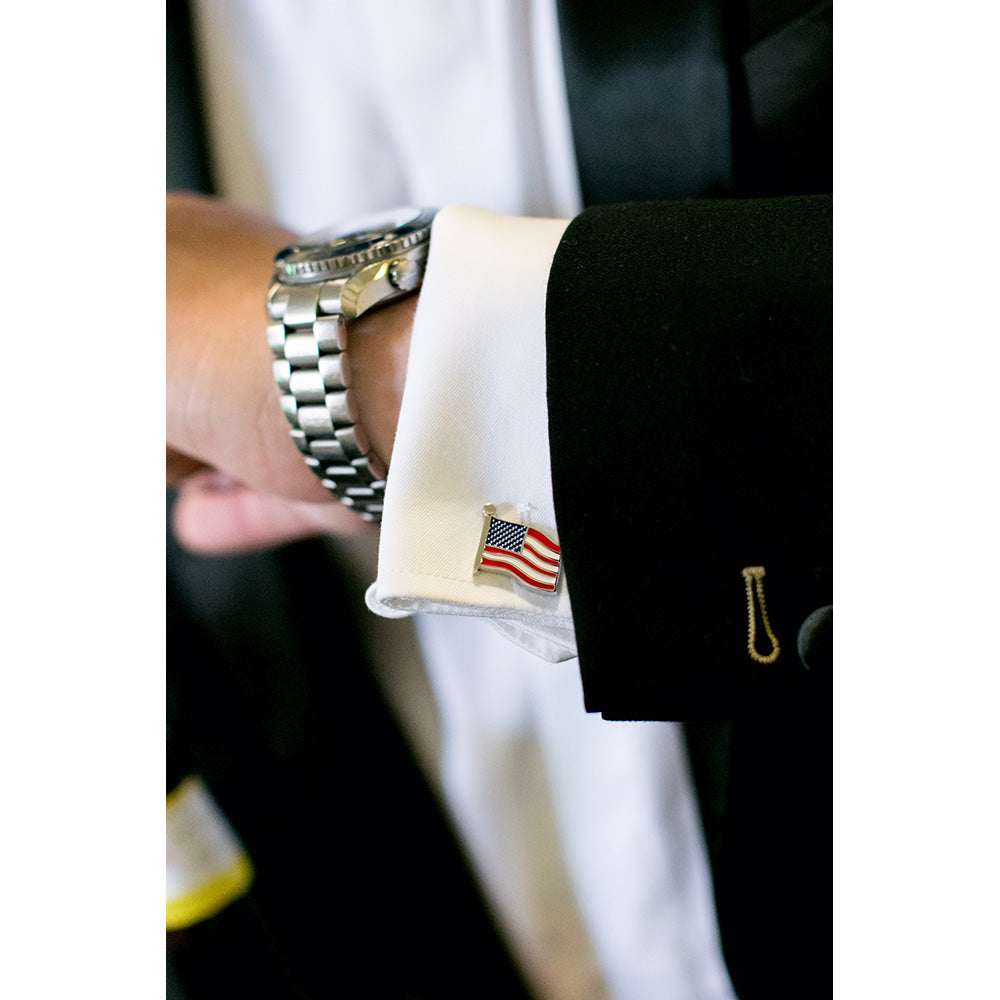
[345, 246]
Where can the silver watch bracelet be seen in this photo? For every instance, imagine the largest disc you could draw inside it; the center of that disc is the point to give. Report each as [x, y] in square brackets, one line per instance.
[306, 333]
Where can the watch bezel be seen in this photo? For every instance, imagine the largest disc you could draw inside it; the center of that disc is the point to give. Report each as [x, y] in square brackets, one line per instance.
[339, 250]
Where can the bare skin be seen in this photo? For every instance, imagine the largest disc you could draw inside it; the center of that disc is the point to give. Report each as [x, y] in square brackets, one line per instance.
[242, 483]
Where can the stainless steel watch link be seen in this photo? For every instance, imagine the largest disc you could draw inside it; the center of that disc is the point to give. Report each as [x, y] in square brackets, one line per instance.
[319, 284]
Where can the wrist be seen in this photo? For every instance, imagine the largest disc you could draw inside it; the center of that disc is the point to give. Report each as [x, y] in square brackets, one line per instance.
[378, 347]
[339, 332]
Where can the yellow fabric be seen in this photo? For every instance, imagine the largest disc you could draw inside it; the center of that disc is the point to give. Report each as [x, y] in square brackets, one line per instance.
[211, 897]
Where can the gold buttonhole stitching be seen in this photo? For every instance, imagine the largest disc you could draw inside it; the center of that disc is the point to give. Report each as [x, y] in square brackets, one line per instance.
[753, 577]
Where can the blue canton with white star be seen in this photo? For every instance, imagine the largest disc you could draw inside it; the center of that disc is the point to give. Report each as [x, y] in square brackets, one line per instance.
[504, 535]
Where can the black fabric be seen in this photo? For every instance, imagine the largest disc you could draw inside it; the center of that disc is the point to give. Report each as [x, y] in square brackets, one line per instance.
[764, 793]
[786, 146]
[648, 92]
[707, 386]
[351, 848]
[709, 747]
[188, 165]
[774, 874]
[689, 351]
[708, 391]
[701, 98]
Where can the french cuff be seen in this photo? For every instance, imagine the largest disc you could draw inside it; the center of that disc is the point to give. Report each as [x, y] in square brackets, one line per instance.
[473, 430]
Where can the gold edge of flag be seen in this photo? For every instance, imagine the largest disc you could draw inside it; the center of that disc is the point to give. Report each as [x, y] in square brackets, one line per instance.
[488, 511]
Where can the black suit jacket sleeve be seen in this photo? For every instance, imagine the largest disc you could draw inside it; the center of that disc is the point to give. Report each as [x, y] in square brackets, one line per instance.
[689, 393]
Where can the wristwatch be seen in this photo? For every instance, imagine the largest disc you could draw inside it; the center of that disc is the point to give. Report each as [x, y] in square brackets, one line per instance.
[319, 284]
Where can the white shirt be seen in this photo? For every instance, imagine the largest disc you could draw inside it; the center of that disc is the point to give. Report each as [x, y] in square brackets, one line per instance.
[325, 110]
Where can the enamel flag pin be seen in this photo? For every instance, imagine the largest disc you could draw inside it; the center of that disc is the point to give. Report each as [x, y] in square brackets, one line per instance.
[518, 550]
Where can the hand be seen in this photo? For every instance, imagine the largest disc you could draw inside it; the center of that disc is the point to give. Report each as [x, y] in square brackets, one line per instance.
[242, 482]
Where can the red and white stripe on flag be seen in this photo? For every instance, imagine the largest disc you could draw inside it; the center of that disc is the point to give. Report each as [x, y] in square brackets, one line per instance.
[525, 553]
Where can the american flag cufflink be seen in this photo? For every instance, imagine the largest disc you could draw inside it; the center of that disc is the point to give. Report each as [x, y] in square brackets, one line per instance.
[517, 550]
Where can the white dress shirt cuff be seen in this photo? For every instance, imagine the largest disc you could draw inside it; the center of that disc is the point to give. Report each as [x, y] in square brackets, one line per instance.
[473, 430]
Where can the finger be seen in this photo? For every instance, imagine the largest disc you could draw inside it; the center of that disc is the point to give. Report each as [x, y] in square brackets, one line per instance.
[214, 516]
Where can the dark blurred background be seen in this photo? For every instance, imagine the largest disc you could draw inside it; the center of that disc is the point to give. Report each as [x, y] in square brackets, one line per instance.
[272, 700]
